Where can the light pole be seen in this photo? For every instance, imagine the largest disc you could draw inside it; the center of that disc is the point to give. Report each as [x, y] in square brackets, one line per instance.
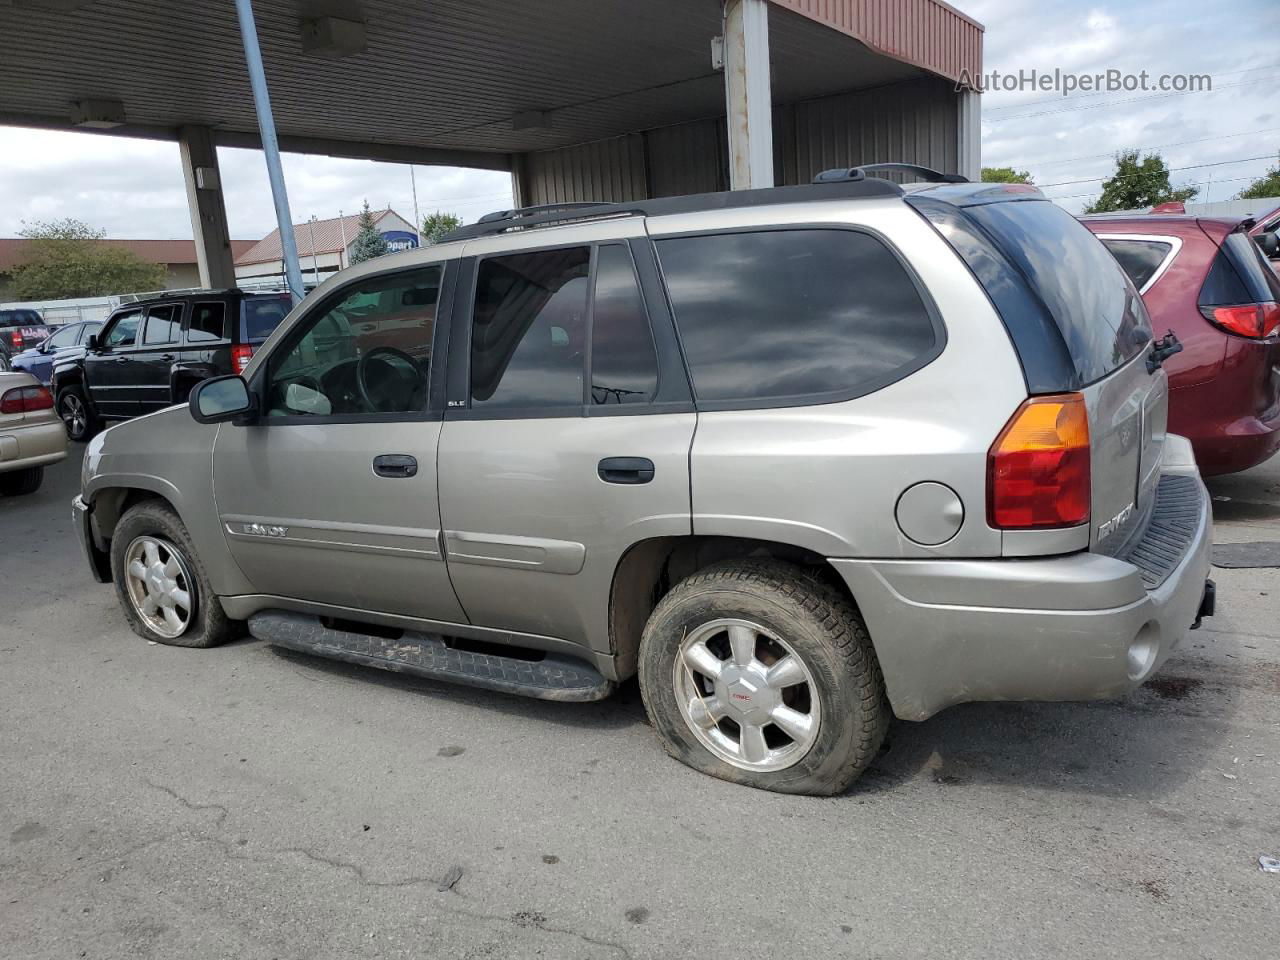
[417, 219]
[270, 146]
[315, 267]
[342, 230]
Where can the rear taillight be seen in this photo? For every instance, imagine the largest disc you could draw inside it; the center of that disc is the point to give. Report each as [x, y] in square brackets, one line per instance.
[1038, 468]
[241, 354]
[26, 400]
[1256, 320]
[15, 339]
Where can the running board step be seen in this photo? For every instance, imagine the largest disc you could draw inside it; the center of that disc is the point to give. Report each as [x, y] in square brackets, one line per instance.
[427, 655]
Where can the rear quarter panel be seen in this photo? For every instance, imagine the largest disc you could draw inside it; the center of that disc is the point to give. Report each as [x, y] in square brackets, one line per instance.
[827, 477]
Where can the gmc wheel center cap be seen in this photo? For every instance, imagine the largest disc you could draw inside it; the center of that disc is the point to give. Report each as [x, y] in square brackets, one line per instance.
[746, 695]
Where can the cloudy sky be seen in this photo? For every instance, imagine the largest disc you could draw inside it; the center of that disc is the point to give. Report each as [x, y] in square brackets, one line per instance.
[133, 188]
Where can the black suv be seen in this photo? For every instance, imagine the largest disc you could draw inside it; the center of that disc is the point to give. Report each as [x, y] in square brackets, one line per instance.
[149, 354]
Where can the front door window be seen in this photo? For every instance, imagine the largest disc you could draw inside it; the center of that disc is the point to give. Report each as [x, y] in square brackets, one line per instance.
[367, 352]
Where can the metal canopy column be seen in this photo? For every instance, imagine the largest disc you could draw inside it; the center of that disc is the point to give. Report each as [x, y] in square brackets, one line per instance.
[208, 211]
[748, 98]
[969, 134]
[270, 146]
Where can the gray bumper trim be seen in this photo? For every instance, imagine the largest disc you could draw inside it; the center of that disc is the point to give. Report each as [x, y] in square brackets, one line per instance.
[1059, 628]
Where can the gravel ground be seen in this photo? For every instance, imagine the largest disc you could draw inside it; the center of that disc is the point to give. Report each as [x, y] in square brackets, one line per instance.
[248, 803]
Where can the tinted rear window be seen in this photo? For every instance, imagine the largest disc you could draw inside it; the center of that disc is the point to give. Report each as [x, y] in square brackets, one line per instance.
[1095, 307]
[794, 314]
[1139, 258]
[1239, 274]
[262, 315]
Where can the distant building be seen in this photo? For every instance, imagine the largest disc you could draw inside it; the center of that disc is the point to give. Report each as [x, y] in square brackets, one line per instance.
[323, 246]
[177, 256]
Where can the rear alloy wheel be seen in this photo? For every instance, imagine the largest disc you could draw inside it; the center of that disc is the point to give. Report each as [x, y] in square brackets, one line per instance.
[75, 413]
[758, 673]
[746, 695]
[163, 589]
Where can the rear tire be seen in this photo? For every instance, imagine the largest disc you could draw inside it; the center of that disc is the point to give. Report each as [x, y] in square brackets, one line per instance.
[162, 587]
[21, 482]
[81, 422]
[737, 620]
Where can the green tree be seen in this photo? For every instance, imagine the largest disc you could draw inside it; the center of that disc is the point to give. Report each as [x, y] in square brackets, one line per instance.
[1268, 185]
[1138, 182]
[66, 258]
[1004, 175]
[369, 243]
[436, 225]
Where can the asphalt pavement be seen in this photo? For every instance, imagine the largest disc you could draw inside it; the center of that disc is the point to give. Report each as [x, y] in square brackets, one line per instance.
[248, 803]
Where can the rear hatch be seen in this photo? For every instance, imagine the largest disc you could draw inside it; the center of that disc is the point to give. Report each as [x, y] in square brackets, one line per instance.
[1092, 335]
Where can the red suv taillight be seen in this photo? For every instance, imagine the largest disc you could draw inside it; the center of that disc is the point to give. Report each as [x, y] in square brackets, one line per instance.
[1038, 468]
[1256, 320]
[15, 339]
[26, 400]
[241, 354]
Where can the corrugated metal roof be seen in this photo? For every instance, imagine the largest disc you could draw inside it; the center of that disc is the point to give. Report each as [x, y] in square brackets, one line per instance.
[170, 252]
[328, 237]
[451, 74]
[929, 34]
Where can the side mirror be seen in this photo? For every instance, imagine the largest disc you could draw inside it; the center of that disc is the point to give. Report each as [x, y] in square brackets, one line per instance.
[1270, 244]
[93, 343]
[221, 399]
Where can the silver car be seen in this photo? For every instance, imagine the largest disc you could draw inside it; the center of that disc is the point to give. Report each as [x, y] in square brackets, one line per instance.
[803, 459]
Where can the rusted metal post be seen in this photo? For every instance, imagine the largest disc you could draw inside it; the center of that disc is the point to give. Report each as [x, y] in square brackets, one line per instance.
[748, 101]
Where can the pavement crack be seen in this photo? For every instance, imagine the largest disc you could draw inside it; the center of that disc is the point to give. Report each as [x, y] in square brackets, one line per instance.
[190, 805]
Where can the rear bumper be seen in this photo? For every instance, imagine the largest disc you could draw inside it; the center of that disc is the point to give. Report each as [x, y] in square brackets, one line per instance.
[32, 445]
[1078, 627]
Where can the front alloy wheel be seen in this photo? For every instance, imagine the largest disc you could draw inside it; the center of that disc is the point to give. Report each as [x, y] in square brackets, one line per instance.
[159, 585]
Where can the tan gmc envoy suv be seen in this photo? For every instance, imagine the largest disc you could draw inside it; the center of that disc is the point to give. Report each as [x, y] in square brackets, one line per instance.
[801, 458]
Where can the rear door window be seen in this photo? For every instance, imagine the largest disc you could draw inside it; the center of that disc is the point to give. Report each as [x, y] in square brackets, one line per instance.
[1096, 308]
[1140, 259]
[529, 330]
[624, 364]
[208, 322]
[799, 315]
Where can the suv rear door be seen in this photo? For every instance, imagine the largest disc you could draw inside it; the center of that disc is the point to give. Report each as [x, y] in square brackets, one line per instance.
[568, 428]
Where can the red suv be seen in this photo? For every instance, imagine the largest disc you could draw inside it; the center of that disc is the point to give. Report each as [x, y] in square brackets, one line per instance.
[1207, 281]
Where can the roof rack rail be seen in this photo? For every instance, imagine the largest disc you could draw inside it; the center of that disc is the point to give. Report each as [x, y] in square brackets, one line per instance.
[541, 208]
[565, 213]
[860, 173]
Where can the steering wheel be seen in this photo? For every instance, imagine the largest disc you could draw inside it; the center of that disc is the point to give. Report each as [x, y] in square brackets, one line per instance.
[362, 373]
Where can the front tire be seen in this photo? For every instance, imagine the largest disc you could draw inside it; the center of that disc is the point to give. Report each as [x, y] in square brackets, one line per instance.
[21, 482]
[754, 672]
[162, 587]
[81, 422]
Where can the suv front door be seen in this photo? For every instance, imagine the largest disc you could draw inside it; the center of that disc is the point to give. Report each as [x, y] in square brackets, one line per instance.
[330, 495]
[567, 431]
[109, 370]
